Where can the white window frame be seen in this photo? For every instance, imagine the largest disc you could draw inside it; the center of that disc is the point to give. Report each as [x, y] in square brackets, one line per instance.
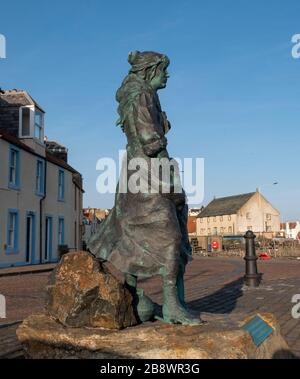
[41, 127]
[33, 111]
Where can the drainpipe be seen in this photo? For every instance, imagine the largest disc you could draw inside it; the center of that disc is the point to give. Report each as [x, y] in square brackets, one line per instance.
[41, 212]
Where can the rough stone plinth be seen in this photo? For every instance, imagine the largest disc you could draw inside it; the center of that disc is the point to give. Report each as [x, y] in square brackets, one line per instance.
[83, 293]
[223, 337]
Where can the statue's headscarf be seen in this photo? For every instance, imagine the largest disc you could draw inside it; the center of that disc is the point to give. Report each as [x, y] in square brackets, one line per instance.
[141, 61]
[133, 85]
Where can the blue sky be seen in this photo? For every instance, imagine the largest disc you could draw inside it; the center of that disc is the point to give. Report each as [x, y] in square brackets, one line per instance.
[233, 96]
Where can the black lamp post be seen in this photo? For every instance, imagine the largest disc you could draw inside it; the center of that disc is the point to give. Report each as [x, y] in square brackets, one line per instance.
[252, 277]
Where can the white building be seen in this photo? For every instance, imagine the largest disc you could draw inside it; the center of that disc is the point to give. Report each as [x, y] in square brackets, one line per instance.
[290, 230]
[234, 215]
[40, 193]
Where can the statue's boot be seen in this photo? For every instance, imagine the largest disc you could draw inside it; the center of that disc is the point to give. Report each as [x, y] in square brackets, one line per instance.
[173, 311]
[145, 309]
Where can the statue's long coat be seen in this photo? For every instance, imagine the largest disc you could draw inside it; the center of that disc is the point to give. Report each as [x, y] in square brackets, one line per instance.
[143, 233]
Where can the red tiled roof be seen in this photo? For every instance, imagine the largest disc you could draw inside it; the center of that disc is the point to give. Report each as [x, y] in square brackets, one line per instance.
[292, 225]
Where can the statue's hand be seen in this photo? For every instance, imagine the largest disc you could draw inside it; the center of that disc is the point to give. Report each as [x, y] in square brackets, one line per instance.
[155, 147]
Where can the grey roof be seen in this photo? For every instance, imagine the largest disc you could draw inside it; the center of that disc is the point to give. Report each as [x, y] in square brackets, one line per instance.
[10, 102]
[226, 205]
[16, 98]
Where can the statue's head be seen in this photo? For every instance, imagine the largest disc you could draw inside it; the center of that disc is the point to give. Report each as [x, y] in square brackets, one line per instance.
[151, 67]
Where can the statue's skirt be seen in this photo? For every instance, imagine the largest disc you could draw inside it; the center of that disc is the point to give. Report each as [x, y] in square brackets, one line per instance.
[144, 234]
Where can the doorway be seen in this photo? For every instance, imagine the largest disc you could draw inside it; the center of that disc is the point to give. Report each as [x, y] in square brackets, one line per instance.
[30, 237]
[48, 239]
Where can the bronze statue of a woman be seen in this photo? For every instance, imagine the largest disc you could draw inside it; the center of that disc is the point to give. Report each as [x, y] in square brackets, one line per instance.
[146, 233]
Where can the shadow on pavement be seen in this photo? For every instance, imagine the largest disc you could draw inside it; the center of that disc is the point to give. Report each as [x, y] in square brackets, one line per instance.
[221, 301]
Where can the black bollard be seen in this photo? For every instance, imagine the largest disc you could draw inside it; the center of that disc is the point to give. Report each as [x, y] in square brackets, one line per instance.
[252, 277]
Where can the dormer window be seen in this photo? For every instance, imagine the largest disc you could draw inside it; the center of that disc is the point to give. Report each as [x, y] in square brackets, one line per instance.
[38, 125]
[31, 124]
[25, 130]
